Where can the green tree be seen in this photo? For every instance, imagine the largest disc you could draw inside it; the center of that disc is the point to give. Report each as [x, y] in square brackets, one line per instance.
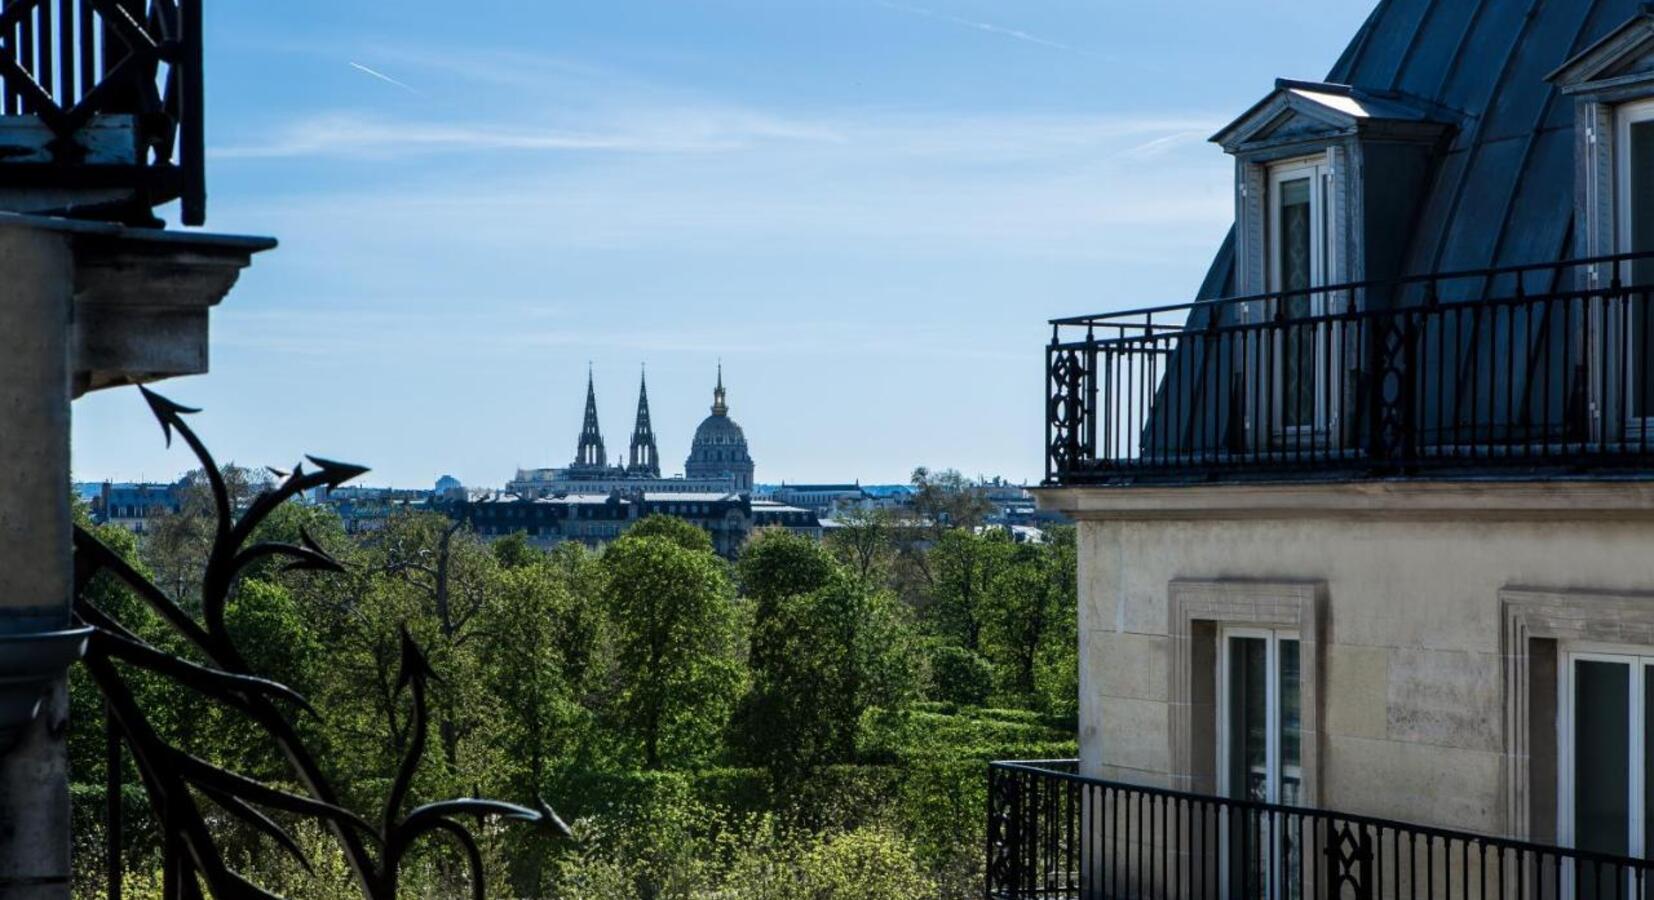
[963, 566]
[1018, 612]
[514, 551]
[539, 650]
[175, 545]
[864, 542]
[947, 500]
[675, 623]
[959, 676]
[777, 563]
[867, 864]
[1056, 667]
[682, 532]
[820, 659]
[449, 576]
[422, 573]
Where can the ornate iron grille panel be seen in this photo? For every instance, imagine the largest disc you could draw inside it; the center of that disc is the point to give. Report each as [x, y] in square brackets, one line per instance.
[116, 86]
[1067, 416]
[188, 794]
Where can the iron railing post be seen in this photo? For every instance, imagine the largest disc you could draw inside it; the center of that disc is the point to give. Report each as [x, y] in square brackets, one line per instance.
[1089, 407]
[113, 866]
[192, 140]
[1052, 470]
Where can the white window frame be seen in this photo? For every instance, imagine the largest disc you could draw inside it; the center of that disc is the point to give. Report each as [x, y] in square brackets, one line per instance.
[1625, 115]
[1318, 169]
[1272, 638]
[1638, 660]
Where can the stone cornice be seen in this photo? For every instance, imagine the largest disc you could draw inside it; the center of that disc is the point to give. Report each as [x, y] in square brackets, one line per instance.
[1538, 500]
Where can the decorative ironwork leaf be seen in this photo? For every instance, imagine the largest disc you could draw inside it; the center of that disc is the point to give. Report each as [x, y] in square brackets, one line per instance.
[172, 777]
[120, 645]
[262, 822]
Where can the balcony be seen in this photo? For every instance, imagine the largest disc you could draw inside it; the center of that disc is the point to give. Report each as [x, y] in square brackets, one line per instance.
[101, 109]
[1055, 835]
[1525, 371]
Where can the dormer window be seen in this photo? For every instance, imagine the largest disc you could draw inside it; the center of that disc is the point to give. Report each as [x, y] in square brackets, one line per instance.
[1368, 157]
[1328, 179]
[1612, 85]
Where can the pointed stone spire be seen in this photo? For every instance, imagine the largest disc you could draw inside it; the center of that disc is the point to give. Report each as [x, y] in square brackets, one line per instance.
[645, 459]
[719, 405]
[590, 454]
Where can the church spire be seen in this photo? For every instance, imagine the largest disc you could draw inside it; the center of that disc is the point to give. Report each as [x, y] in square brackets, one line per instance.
[645, 459]
[590, 454]
[719, 406]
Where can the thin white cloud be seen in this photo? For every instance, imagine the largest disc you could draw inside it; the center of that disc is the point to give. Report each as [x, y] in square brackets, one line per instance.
[357, 135]
[1160, 146]
[1014, 33]
[383, 77]
[344, 135]
[1049, 183]
[385, 328]
[650, 129]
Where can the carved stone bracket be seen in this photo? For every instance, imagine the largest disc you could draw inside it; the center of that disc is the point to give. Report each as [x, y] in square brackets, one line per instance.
[29, 665]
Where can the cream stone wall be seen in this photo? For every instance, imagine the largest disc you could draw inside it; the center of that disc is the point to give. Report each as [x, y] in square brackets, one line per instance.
[1411, 692]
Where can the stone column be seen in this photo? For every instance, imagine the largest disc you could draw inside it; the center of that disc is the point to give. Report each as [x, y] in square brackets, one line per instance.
[36, 308]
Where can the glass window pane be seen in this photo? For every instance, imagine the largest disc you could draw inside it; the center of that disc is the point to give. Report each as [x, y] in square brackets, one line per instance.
[1641, 158]
[1295, 261]
[1294, 236]
[1602, 765]
[1248, 719]
[1648, 763]
[1640, 325]
[1291, 773]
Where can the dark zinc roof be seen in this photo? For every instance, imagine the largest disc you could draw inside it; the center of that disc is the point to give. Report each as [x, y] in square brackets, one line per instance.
[1503, 193]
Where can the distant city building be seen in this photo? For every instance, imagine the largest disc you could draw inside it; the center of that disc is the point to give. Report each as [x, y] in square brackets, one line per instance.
[719, 462]
[598, 519]
[131, 505]
[823, 499]
[888, 496]
[449, 486]
[770, 514]
[364, 510]
[594, 501]
[720, 446]
[1012, 505]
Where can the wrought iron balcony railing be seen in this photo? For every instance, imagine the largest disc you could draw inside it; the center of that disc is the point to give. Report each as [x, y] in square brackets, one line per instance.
[1539, 367]
[102, 107]
[1055, 835]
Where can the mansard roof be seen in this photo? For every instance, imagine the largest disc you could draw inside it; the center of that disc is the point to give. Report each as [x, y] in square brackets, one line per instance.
[1502, 190]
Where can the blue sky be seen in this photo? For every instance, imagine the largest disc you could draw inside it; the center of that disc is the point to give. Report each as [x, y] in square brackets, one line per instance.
[866, 208]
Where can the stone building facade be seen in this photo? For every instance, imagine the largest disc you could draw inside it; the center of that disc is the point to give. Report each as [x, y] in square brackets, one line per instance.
[1365, 528]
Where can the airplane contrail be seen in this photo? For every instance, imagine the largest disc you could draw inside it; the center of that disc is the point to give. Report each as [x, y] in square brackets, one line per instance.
[383, 77]
[978, 26]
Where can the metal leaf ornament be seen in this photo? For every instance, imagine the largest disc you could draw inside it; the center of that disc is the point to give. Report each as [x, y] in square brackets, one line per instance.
[177, 783]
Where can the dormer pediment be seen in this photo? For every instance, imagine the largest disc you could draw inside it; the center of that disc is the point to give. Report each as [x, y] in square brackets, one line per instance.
[1302, 112]
[1622, 61]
